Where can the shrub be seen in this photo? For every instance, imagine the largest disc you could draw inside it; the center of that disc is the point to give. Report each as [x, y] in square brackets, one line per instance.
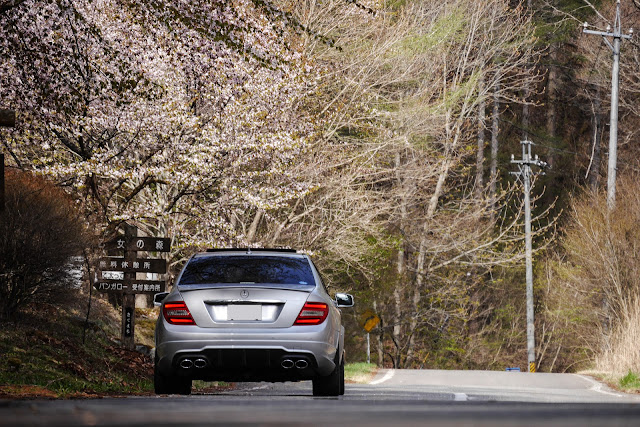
[41, 230]
[597, 285]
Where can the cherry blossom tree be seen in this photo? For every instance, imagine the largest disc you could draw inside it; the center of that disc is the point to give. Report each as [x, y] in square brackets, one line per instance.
[179, 116]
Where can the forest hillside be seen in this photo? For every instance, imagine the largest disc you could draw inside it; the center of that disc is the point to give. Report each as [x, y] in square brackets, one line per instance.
[376, 135]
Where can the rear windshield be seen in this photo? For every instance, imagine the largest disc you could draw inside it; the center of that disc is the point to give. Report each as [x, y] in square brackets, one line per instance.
[247, 269]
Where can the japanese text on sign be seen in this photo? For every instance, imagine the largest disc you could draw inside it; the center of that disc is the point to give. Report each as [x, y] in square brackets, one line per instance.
[128, 321]
[136, 286]
[105, 286]
[149, 244]
[141, 265]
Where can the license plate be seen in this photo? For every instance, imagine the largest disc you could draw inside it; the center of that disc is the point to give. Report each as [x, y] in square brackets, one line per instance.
[244, 312]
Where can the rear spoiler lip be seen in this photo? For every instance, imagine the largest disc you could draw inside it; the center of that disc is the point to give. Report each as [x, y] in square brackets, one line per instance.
[252, 250]
[281, 286]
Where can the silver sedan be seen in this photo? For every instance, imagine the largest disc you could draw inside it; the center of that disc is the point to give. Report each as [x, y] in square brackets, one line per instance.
[250, 315]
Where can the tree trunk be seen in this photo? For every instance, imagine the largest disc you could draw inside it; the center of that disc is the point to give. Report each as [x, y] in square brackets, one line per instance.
[251, 234]
[403, 213]
[284, 223]
[397, 293]
[495, 128]
[7, 118]
[525, 112]
[413, 324]
[481, 143]
[431, 210]
[380, 337]
[552, 84]
[594, 170]
[397, 330]
[433, 202]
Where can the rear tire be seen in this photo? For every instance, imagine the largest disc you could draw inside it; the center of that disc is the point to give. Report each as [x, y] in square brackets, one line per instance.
[170, 384]
[342, 377]
[332, 384]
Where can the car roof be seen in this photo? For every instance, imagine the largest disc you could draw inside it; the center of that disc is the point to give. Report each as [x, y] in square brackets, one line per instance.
[250, 251]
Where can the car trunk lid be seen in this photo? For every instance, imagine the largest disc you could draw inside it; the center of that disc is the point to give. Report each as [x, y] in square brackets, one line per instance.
[245, 305]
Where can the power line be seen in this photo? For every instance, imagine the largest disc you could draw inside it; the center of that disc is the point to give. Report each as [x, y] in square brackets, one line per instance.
[538, 135]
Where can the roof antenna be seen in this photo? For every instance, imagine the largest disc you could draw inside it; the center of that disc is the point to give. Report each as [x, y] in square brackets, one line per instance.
[248, 250]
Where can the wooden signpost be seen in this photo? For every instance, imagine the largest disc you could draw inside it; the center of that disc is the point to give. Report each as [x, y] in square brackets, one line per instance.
[127, 267]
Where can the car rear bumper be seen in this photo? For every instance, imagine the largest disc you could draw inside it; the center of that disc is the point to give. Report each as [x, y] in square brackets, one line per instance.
[256, 355]
[226, 364]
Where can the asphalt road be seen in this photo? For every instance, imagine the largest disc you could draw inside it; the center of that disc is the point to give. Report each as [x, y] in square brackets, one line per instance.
[394, 398]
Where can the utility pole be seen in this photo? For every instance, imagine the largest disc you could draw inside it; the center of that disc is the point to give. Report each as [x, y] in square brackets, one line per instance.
[524, 167]
[615, 73]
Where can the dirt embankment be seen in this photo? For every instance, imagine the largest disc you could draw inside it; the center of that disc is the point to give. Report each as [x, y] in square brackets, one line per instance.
[43, 355]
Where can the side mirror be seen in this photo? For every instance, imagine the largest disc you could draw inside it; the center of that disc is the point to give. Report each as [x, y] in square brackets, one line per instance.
[344, 300]
[158, 298]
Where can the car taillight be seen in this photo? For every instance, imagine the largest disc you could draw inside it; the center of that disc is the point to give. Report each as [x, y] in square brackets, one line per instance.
[313, 313]
[177, 313]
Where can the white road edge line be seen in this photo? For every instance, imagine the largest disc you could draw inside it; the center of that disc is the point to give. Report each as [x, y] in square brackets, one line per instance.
[260, 387]
[460, 397]
[390, 373]
[598, 386]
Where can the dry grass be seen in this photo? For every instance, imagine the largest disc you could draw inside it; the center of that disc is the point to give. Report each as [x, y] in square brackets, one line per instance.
[620, 353]
[597, 285]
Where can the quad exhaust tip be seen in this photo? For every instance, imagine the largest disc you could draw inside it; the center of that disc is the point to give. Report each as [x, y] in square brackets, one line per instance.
[300, 364]
[199, 363]
[288, 364]
[186, 364]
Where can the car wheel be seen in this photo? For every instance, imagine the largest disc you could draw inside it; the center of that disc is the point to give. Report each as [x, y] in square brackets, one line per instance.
[332, 384]
[166, 384]
[342, 377]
